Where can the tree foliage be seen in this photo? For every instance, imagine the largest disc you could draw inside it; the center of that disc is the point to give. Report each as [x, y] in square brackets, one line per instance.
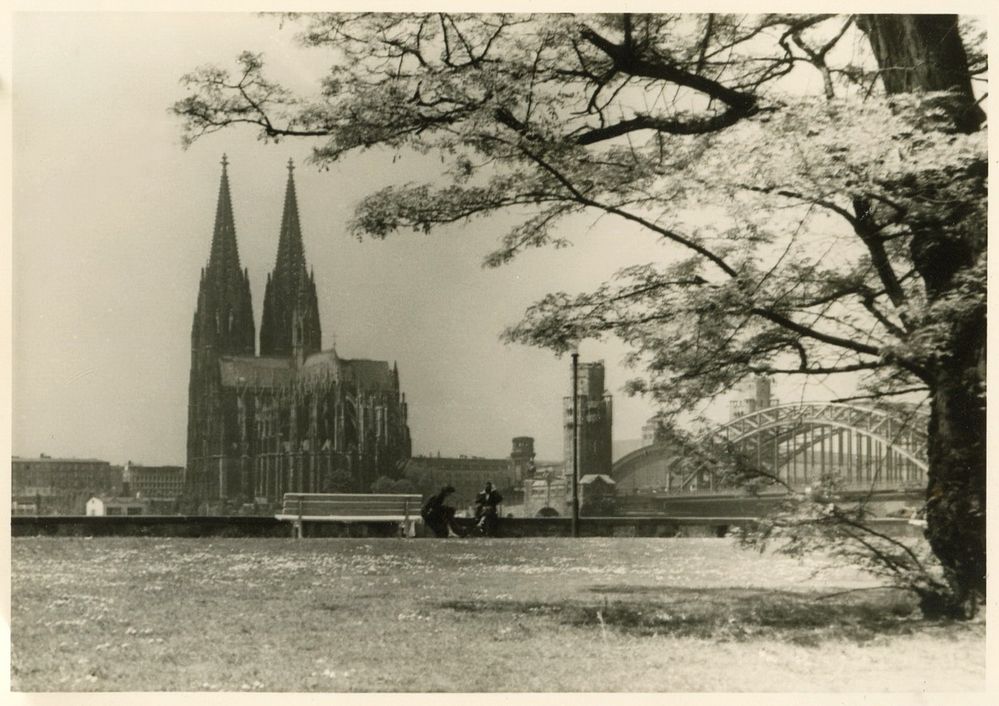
[339, 481]
[804, 269]
[820, 214]
[382, 484]
[820, 523]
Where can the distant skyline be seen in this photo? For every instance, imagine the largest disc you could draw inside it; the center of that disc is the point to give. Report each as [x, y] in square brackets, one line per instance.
[113, 220]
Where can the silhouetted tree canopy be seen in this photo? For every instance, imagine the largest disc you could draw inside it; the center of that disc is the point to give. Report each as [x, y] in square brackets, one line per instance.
[819, 183]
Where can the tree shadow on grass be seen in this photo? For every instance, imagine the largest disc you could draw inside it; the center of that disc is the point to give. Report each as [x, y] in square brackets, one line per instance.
[726, 614]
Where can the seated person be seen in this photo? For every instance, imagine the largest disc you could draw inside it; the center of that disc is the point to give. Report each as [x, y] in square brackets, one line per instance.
[486, 514]
[437, 514]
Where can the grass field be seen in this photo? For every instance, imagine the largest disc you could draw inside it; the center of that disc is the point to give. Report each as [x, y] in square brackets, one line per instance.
[540, 615]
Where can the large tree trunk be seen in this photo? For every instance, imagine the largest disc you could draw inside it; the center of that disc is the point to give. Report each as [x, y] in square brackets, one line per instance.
[955, 500]
[925, 53]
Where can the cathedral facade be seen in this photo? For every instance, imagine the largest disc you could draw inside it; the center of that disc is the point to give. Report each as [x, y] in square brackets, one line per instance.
[295, 416]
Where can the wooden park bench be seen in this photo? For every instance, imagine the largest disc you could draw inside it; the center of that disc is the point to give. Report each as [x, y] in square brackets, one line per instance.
[403, 509]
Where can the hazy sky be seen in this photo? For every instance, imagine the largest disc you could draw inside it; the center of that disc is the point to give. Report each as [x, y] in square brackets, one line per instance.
[113, 221]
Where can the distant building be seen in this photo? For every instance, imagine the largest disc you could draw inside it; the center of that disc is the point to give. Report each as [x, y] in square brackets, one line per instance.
[654, 431]
[550, 489]
[23, 506]
[468, 474]
[111, 506]
[153, 482]
[522, 457]
[60, 485]
[751, 395]
[648, 466]
[594, 422]
[623, 447]
[596, 494]
[294, 416]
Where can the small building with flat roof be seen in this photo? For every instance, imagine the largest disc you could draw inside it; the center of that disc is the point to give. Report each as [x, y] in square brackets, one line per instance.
[103, 505]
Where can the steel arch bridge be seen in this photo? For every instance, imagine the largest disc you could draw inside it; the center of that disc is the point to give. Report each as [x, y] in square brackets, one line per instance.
[880, 448]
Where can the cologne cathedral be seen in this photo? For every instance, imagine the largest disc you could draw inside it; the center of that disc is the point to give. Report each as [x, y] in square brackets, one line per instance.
[287, 419]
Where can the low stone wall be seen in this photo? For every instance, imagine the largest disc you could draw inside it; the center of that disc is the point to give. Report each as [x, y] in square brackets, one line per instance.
[147, 525]
[242, 526]
[265, 526]
[618, 526]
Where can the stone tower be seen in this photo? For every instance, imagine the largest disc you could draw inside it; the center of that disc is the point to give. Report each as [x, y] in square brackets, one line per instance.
[223, 326]
[522, 456]
[290, 325]
[594, 422]
[751, 395]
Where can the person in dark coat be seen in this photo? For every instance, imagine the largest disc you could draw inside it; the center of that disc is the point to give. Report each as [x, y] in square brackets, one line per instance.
[486, 514]
[437, 514]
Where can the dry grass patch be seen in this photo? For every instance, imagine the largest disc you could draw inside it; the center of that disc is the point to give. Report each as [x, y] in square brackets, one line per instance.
[465, 615]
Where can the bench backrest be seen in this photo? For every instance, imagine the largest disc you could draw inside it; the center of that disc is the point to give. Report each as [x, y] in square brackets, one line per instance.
[352, 504]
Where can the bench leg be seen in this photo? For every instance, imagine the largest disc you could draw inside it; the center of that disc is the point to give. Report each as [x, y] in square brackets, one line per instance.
[296, 529]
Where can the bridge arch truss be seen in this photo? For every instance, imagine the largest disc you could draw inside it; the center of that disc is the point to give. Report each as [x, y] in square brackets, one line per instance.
[865, 447]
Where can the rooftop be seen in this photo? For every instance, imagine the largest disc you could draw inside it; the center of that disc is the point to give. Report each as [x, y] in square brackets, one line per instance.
[116, 500]
[590, 478]
[461, 462]
[48, 459]
[280, 371]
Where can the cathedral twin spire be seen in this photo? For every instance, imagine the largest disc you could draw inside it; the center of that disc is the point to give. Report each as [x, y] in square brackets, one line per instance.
[224, 318]
[291, 309]
[225, 252]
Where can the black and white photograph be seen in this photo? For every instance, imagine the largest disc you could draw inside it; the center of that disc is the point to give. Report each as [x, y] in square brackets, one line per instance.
[527, 349]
